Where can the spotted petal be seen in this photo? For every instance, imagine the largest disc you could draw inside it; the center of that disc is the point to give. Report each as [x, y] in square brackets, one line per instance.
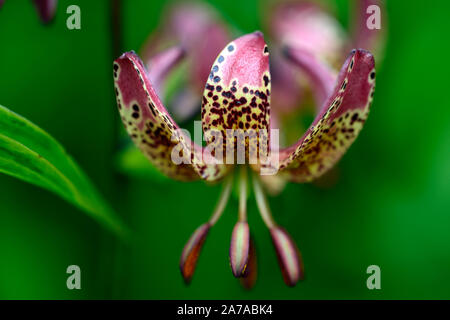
[337, 125]
[237, 93]
[151, 127]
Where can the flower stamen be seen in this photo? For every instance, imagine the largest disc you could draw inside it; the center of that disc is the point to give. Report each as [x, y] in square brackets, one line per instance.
[223, 199]
[191, 250]
[243, 193]
[289, 257]
[263, 206]
[240, 237]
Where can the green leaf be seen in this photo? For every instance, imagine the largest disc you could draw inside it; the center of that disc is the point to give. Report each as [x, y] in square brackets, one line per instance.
[30, 154]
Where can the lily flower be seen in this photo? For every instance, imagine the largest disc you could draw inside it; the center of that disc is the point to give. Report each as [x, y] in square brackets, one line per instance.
[196, 31]
[46, 9]
[237, 97]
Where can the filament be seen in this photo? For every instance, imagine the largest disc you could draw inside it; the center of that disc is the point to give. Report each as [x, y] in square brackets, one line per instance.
[243, 193]
[262, 203]
[223, 199]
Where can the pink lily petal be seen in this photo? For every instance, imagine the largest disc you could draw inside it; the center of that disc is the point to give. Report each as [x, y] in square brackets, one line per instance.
[151, 127]
[240, 248]
[198, 28]
[191, 252]
[161, 64]
[286, 90]
[205, 51]
[288, 255]
[185, 104]
[305, 25]
[337, 125]
[237, 93]
[46, 9]
[320, 75]
[195, 27]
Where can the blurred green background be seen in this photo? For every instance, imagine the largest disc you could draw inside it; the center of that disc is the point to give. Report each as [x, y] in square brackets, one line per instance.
[389, 207]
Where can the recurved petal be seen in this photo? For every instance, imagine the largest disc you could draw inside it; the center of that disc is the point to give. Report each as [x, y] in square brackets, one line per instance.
[161, 64]
[320, 75]
[185, 104]
[239, 248]
[337, 125]
[191, 251]
[307, 26]
[46, 9]
[286, 89]
[151, 127]
[237, 93]
[288, 255]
